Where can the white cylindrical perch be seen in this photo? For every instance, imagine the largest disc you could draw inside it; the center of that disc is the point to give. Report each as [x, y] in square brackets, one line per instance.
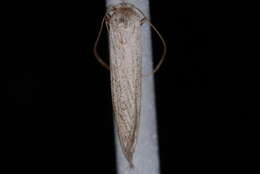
[146, 155]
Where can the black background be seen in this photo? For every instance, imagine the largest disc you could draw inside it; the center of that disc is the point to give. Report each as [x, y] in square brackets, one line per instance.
[58, 114]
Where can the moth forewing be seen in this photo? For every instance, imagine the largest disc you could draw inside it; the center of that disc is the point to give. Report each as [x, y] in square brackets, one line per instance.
[125, 64]
[123, 22]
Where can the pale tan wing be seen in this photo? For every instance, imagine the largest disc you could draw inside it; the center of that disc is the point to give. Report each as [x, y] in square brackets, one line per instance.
[125, 66]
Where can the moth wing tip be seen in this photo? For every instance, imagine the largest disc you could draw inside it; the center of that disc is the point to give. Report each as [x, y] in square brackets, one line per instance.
[131, 164]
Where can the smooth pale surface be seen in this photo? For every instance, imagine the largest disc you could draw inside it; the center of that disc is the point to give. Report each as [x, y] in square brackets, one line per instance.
[125, 70]
[146, 157]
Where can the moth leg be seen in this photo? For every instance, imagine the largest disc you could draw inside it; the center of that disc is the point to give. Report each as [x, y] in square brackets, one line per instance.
[110, 8]
[142, 21]
[108, 17]
[107, 26]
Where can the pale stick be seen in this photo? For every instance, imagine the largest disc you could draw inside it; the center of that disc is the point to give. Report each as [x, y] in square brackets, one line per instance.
[146, 156]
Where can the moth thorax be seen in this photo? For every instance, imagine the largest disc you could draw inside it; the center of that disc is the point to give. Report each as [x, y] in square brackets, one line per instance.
[124, 16]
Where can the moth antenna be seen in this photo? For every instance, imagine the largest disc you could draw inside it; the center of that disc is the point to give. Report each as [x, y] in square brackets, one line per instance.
[96, 43]
[157, 67]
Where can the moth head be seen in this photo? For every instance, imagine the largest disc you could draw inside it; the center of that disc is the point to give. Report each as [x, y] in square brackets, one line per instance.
[122, 15]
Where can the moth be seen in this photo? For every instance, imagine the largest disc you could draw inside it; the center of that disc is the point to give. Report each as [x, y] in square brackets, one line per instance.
[123, 22]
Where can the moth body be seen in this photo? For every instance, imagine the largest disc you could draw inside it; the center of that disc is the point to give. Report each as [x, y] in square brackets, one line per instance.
[124, 25]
